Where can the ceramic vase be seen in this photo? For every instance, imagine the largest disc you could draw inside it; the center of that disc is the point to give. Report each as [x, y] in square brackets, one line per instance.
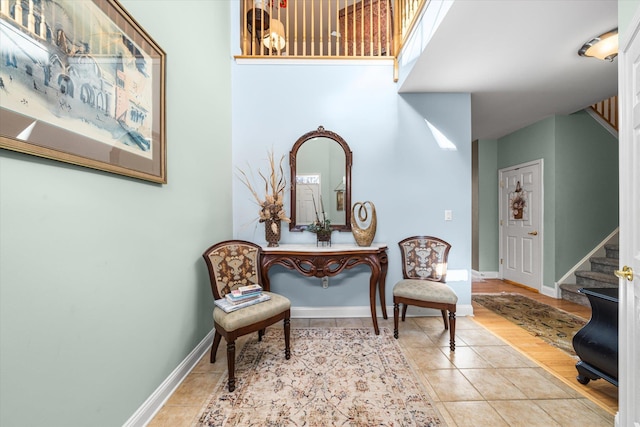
[272, 230]
[366, 211]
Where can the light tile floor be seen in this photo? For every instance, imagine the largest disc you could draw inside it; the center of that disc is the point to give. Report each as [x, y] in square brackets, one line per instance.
[485, 382]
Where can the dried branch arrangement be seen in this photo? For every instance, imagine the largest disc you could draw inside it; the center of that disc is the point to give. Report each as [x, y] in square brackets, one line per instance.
[272, 206]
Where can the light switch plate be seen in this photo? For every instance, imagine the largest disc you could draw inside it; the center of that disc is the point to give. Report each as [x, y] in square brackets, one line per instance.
[448, 215]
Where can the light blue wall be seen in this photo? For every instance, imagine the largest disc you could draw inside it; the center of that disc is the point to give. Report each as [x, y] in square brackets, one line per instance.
[396, 162]
[102, 288]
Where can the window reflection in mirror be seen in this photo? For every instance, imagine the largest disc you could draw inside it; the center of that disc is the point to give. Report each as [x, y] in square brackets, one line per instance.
[321, 170]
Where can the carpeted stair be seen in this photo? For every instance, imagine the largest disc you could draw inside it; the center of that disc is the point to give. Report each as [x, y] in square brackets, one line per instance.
[600, 276]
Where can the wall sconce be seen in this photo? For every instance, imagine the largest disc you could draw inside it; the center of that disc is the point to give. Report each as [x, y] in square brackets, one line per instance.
[604, 47]
[274, 39]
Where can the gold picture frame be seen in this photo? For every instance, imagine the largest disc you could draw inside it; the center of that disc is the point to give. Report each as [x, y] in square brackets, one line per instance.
[81, 82]
[339, 200]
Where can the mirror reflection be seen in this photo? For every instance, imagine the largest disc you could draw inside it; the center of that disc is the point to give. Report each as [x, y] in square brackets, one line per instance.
[321, 170]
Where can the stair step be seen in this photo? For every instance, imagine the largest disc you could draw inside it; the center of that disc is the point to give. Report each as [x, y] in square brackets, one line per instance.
[600, 276]
[594, 279]
[604, 265]
[570, 292]
[612, 251]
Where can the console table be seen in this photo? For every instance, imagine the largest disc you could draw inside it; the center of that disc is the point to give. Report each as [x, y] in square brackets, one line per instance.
[313, 261]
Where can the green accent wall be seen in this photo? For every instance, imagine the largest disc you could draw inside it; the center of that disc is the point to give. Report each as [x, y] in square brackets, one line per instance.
[103, 292]
[580, 180]
[586, 187]
[626, 10]
[488, 205]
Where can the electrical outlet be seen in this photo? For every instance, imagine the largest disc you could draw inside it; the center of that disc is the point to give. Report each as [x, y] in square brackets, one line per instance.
[325, 282]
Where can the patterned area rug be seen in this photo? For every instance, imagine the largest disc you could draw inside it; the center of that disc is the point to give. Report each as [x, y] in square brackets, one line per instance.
[555, 326]
[335, 377]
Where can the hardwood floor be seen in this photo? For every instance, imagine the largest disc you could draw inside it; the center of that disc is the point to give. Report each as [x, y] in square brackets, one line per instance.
[555, 361]
[499, 375]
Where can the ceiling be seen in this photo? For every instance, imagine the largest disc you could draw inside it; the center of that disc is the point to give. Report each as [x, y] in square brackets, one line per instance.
[518, 59]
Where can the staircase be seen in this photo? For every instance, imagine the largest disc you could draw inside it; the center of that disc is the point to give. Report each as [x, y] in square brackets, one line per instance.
[600, 276]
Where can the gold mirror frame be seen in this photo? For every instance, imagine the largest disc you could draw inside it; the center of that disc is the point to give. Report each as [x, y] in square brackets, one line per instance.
[321, 132]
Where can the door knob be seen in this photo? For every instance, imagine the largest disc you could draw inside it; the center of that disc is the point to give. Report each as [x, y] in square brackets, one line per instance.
[625, 273]
[533, 233]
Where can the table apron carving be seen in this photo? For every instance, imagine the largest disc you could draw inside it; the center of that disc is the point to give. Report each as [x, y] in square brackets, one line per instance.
[313, 262]
[320, 266]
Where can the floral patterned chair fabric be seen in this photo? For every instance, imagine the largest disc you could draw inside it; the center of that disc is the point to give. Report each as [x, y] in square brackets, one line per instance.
[234, 265]
[425, 258]
[424, 271]
[231, 264]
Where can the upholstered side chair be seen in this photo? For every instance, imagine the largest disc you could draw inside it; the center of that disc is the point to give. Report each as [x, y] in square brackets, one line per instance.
[424, 272]
[231, 264]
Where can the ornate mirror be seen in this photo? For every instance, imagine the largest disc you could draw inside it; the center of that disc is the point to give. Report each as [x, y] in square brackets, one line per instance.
[320, 163]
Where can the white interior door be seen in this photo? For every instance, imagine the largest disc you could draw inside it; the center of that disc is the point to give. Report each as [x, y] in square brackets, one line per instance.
[521, 224]
[629, 321]
[307, 198]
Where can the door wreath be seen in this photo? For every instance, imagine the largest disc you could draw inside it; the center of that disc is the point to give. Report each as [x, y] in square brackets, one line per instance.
[518, 202]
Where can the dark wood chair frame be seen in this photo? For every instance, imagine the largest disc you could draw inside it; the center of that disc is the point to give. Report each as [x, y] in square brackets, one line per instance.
[443, 307]
[231, 336]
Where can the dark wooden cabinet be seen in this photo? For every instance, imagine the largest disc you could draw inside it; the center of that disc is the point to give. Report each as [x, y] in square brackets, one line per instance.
[597, 342]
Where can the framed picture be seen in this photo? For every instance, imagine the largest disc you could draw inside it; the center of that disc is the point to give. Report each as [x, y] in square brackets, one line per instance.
[81, 82]
[340, 200]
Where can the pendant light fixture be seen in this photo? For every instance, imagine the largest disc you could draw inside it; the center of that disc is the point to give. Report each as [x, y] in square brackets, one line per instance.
[604, 47]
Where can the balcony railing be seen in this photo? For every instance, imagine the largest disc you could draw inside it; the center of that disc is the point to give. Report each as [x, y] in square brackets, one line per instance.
[326, 28]
[409, 12]
[608, 110]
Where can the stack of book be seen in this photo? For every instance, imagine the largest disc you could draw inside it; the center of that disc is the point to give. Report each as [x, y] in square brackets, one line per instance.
[244, 296]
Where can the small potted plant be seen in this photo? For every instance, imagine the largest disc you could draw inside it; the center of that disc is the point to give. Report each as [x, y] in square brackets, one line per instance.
[321, 227]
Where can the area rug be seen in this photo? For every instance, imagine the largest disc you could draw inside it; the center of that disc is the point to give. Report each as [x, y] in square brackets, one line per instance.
[335, 377]
[555, 326]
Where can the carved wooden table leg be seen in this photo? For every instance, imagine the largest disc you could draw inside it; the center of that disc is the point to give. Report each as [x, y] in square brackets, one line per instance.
[373, 284]
[384, 264]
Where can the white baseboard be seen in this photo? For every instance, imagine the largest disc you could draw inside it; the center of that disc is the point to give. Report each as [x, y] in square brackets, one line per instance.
[486, 275]
[152, 405]
[551, 292]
